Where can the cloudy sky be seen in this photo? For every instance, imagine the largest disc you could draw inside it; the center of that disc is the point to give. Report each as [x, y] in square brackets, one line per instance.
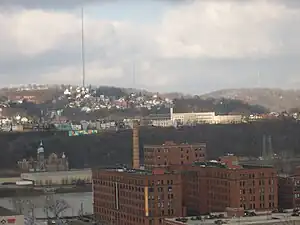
[190, 46]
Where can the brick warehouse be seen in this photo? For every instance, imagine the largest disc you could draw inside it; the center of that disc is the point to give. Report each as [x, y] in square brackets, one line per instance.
[214, 186]
[136, 197]
[289, 190]
[171, 153]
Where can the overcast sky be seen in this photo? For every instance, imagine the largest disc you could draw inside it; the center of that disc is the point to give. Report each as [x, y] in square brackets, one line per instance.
[189, 46]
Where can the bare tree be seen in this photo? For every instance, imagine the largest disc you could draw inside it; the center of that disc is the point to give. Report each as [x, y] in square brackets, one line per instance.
[55, 206]
[23, 206]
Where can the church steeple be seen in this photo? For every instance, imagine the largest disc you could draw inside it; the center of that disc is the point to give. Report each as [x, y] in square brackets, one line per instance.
[40, 148]
[41, 157]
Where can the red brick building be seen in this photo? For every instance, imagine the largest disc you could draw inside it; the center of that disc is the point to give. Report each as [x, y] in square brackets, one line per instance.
[214, 186]
[289, 190]
[136, 197]
[171, 153]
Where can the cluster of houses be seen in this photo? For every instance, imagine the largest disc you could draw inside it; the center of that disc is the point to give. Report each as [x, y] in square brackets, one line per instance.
[88, 101]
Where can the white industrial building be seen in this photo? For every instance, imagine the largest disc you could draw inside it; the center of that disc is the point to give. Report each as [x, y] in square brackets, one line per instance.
[204, 117]
[9, 180]
[199, 117]
[228, 119]
[58, 177]
[162, 123]
[9, 217]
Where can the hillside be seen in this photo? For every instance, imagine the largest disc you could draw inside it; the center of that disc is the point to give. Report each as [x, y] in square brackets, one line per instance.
[110, 148]
[103, 101]
[221, 107]
[36, 94]
[273, 99]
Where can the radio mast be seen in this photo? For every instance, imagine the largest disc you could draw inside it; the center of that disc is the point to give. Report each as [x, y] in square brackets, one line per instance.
[82, 47]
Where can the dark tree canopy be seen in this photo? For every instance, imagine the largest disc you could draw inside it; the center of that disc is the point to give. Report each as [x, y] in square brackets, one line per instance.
[109, 148]
[220, 106]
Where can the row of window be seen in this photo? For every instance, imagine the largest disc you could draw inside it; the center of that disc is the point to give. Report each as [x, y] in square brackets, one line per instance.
[130, 207]
[166, 150]
[111, 180]
[161, 189]
[107, 215]
[228, 174]
[222, 182]
[261, 198]
[138, 202]
[260, 190]
[134, 185]
[270, 205]
[260, 182]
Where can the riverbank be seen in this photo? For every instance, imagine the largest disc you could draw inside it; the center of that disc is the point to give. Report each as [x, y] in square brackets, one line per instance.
[76, 202]
[32, 191]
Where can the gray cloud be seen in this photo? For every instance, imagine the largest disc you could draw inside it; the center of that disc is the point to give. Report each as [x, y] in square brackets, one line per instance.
[196, 47]
[73, 3]
[289, 3]
[49, 4]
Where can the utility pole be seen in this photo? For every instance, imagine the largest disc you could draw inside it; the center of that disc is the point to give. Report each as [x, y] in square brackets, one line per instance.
[33, 213]
[81, 209]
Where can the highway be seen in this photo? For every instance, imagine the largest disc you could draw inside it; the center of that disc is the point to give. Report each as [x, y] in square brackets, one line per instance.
[13, 186]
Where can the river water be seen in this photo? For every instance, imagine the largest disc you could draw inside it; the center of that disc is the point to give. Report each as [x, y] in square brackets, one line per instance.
[73, 204]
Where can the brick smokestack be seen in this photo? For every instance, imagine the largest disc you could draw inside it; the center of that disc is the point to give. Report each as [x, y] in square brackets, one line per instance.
[135, 146]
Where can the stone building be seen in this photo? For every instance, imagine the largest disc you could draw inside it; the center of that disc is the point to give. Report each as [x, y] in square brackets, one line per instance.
[41, 163]
[55, 163]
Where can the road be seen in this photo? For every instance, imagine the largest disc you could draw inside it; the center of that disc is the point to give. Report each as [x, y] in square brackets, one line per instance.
[12, 186]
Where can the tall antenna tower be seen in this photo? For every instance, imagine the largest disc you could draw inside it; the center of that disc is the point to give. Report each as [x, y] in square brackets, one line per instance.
[258, 79]
[133, 75]
[82, 47]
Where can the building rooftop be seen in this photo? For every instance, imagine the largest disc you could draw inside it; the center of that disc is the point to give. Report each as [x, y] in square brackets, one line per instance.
[275, 218]
[80, 222]
[218, 164]
[7, 212]
[172, 143]
[157, 171]
[211, 163]
[83, 220]
[58, 173]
